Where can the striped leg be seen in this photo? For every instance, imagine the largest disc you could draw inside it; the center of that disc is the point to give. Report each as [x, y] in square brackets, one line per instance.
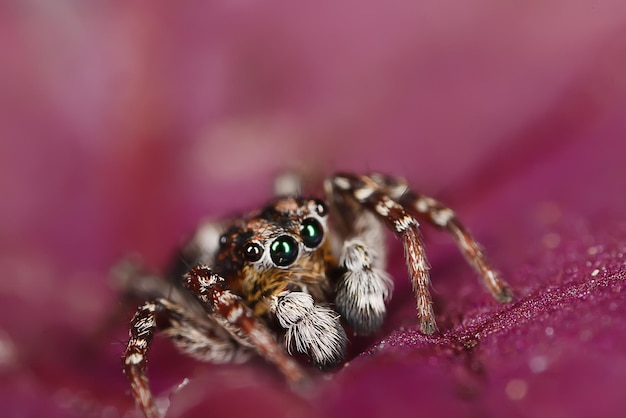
[203, 340]
[142, 330]
[218, 301]
[435, 213]
[367, 194]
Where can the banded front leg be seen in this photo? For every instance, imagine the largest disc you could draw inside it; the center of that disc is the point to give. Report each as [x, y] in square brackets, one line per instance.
[204, 340]
[218, 301]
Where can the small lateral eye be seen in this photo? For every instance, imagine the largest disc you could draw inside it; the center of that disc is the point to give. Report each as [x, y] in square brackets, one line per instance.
[311, 232]
[284, 250]
[223, 239]
[321, 208]
[252, 251]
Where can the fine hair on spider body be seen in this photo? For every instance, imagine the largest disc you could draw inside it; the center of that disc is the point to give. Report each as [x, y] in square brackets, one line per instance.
[289, 276]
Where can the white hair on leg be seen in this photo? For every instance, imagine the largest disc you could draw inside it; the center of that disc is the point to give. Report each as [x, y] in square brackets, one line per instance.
[363, 290]
[312, 329]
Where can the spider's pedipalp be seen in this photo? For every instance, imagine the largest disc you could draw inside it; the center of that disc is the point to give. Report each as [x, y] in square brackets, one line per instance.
[312, 329]
[213, 294]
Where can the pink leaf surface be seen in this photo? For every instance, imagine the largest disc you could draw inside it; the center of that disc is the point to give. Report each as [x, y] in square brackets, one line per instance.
[123, 124]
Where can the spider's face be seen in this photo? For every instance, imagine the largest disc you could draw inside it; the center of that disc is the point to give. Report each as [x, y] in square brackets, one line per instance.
[279, 245]
[283, 233]
[282, 246]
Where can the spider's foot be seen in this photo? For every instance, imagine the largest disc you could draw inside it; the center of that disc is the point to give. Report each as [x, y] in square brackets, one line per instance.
[498, 288]
[426, 316]
[505, 295]
[428, 326]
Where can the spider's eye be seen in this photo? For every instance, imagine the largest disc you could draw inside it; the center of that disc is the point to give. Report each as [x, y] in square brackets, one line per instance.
[312, 232]
[321, 207]
[284, 250]
[252, 251]
[223, 239]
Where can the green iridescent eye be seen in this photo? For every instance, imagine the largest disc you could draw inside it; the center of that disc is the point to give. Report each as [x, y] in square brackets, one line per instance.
[284, 250]
[312, 232]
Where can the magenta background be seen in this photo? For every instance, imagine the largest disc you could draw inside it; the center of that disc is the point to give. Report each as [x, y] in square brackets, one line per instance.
[121, 125]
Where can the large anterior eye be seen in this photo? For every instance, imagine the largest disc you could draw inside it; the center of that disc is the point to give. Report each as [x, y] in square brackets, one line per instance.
[284, 250]
[312, 232]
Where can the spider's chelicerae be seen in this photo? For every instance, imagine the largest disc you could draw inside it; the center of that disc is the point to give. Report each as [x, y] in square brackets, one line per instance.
[290, 276]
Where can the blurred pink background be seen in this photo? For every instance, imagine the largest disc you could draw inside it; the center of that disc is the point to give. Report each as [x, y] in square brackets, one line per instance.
[123, 123]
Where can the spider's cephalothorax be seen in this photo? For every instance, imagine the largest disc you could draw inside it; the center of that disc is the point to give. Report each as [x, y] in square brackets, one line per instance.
[294, 270]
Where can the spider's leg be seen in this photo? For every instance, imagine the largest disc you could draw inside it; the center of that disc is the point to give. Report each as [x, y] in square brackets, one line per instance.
[364, 288]
[288, 183]
[348, 191]
[142, 329]
[201, 339]
[219, 302]
[136, 283]
[314, 330]
[434, 212]
[200, 248]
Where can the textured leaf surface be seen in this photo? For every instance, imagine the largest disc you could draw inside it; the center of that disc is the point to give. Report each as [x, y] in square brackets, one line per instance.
[123, 125]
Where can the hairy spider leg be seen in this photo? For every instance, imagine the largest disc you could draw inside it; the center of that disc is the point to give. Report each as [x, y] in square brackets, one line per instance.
[227, 334]
[434, 212]
[199, 248]
[203, 340]
[142, 329]
[367, 194]
[211, 291]
[362, 291]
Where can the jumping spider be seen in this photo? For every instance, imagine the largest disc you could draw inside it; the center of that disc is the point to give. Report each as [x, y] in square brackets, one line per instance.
[280, 278]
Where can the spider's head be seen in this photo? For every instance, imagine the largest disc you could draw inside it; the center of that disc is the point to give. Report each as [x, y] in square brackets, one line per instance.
[282, 246]
[285, 236]
[278, 236]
